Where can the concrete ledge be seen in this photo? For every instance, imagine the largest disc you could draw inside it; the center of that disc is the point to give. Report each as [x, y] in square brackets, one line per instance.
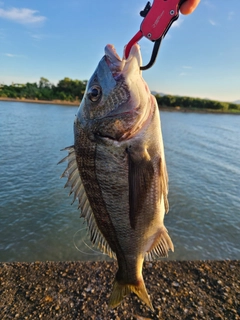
[80, 290]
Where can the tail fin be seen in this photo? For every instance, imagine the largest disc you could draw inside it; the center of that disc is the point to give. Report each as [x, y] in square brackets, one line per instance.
[122, 290]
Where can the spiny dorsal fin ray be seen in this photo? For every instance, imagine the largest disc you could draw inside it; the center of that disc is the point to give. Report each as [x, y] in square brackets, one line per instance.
[77, 188]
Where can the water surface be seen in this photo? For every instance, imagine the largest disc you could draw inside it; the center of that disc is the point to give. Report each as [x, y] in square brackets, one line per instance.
[37, 221]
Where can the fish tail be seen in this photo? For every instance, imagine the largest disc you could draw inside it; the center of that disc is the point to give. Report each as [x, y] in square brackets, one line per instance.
[122, 290]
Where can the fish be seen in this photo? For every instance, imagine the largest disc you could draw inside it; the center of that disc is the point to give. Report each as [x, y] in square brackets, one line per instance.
[117, 170]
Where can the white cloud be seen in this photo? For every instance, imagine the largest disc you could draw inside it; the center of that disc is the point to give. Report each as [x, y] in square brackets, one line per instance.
[11, 55]
[212, 22]
[168, 36]
[178, 22]
[22, 15]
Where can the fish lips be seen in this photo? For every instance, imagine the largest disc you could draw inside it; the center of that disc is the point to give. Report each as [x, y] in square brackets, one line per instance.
[123, 66]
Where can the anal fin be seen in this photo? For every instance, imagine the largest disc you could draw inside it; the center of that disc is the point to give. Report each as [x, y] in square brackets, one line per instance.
[161, 246]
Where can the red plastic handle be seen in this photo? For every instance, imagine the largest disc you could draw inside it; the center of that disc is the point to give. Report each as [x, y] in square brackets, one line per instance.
[159, 18]
[157, 21]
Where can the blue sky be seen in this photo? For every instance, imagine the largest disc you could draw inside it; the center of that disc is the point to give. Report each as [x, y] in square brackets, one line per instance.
[199, 57]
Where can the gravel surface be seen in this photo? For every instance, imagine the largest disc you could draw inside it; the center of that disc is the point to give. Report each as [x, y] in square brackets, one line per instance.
[80, 290]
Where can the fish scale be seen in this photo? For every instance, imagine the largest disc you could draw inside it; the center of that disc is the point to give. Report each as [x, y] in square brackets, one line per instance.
[118, 159]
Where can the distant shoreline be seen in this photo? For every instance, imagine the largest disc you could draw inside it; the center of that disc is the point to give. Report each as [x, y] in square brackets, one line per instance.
[76, 104]
[59, 102]
[195, 110]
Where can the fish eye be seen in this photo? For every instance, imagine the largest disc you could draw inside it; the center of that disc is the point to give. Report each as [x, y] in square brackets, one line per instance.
[94, 93]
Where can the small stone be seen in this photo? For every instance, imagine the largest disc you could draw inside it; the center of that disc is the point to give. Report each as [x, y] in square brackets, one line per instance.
[232, 310]
[175, 284]
[88, 289]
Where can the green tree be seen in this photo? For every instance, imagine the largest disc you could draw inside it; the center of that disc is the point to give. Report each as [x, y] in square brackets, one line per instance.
[44, 83]
[29, 91]
[75, 88]
[233, 106]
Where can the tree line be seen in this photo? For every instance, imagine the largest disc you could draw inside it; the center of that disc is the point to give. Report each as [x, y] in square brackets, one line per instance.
[73, 90]
[196, 103]
[66, 89]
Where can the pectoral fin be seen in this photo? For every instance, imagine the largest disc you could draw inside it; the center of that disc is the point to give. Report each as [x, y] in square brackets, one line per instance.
[140, 176]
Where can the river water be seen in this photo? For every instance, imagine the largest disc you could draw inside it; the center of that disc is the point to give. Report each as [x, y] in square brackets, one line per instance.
[37, 221]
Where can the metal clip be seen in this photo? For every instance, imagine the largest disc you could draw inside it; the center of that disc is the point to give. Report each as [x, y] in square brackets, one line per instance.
[158, 18]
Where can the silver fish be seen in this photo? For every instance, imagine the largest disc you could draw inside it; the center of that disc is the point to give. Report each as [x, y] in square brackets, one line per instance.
[117, 170]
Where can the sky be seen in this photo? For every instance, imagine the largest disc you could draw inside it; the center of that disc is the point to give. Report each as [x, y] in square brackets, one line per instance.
[199, 57]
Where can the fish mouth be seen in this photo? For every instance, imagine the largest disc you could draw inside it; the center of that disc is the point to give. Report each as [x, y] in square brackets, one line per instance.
[118, 65]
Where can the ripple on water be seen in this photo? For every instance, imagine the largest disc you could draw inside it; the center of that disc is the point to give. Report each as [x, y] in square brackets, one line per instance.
[39, 223]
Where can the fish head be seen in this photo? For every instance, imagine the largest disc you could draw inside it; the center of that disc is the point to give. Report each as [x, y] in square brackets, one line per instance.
[116, 100]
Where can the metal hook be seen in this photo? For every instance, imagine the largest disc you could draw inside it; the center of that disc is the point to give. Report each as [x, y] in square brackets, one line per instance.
[154, 55]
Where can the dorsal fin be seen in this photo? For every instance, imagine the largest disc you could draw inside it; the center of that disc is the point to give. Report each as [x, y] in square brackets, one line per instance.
[77, 188]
